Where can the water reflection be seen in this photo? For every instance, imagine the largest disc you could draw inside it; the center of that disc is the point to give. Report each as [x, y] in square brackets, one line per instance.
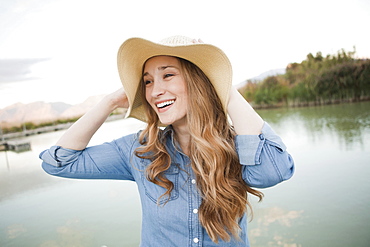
[272, 227]
[72, 233]
[326, 203]
[15, 230]
[348, 124]
[21, 173]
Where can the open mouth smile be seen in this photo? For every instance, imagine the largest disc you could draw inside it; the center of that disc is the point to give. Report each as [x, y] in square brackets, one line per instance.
[165, 104]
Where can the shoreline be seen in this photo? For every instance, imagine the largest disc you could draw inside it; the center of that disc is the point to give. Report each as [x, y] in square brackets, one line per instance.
[56, 127]
[46, 129]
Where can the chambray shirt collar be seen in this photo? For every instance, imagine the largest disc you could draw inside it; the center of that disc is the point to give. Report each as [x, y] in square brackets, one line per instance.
[168, 131]
[168, 137]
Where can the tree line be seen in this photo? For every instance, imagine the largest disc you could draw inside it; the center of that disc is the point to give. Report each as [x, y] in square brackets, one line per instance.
[316, 80]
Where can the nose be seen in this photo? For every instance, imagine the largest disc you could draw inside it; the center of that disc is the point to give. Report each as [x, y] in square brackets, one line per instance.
[158, 89]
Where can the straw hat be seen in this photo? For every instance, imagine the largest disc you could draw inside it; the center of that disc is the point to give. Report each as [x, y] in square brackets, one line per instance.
[134, 52]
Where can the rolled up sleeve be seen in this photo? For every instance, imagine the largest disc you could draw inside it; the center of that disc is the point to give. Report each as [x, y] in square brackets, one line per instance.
[106, 161]
[264, 158]
[58, 156]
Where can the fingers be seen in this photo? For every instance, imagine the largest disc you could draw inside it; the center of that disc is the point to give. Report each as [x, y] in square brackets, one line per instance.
[199, 41]
[119, 98]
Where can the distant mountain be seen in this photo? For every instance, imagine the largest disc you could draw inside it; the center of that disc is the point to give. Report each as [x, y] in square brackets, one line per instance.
[38, 112]
[268, 73]
[262, 76]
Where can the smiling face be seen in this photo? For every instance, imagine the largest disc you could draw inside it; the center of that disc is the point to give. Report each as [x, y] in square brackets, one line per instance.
[165, 89]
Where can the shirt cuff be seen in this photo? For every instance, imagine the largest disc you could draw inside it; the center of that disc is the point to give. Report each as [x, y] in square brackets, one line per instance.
[272, 137]
[58, 156]
[249, 147]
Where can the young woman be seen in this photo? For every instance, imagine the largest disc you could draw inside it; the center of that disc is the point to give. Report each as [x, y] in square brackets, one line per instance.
[194, 166]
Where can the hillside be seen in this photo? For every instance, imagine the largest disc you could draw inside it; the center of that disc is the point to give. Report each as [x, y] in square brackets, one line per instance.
[261, 77]
[40, 112]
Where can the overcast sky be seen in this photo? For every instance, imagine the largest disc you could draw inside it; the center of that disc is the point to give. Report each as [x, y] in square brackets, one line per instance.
[81, 37]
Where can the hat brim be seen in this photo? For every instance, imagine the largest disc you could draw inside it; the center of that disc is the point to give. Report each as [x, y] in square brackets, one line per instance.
[134, 52]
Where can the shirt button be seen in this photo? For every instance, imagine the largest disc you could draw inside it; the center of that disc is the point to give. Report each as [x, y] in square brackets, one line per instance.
[195, 211]
[193, 181]
[195, 240]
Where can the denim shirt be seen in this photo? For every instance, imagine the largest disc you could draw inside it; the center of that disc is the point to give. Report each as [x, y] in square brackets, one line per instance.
[172, 221]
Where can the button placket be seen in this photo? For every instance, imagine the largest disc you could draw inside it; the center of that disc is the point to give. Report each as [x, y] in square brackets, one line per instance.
[197, 201]
[196, 234]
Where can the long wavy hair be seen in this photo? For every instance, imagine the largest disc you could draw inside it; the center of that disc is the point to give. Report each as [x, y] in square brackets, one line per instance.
[212, 153]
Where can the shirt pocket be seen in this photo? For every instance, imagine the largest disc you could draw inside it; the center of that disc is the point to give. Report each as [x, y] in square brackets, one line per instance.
[154, 192]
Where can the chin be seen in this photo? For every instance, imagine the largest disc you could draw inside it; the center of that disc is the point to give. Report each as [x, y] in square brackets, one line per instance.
[166, 122]
[177, 122]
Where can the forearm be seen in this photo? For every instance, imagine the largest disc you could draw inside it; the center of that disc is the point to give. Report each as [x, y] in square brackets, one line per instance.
[245, 119]
[79, 134]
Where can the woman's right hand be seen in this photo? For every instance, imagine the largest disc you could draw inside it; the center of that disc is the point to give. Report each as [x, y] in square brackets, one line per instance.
[79, 134]
[118, 99]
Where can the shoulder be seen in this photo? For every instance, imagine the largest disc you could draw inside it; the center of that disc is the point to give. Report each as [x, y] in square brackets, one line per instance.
[128, 140]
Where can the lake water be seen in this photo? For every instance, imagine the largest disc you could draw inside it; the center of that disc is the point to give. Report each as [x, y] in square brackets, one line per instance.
[326, 203]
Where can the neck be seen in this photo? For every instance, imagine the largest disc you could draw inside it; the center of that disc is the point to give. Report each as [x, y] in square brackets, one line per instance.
[183, 137]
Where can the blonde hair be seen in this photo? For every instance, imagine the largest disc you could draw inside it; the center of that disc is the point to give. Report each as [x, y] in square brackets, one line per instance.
[212, 153]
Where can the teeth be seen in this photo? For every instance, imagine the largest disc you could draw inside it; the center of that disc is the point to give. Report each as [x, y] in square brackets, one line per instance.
[166, 103]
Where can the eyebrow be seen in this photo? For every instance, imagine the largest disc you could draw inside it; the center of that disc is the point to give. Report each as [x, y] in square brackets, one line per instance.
[161, 68]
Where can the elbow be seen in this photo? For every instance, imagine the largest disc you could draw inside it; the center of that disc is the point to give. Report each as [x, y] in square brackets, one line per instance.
[270, 172]
[288, 171]
[283, 170]
[51, 169]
